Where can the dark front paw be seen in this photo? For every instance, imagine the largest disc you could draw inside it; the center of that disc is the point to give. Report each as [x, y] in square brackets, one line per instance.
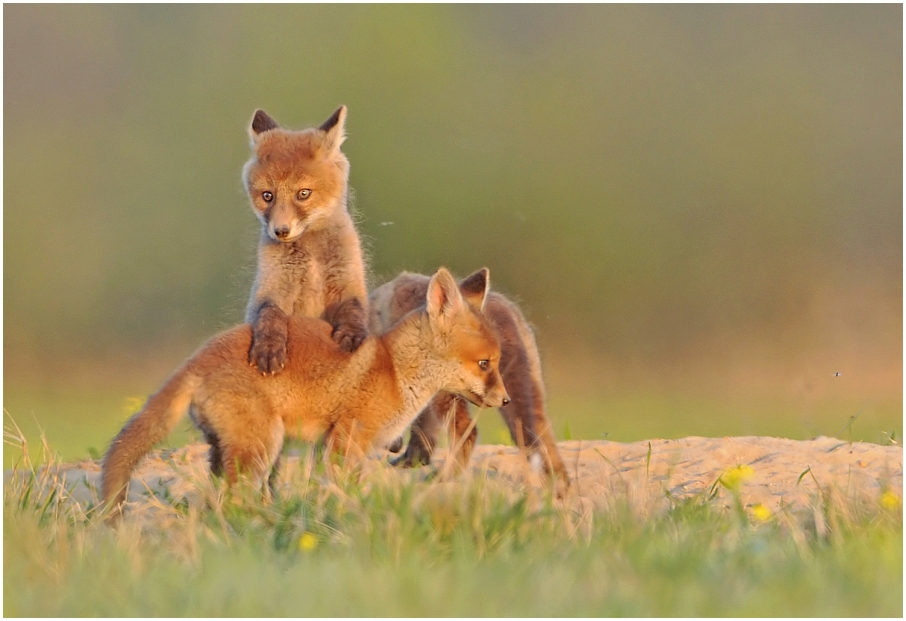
[268, 354]
[348, 320]
[416, 455]
[396, 446]
[349, 337]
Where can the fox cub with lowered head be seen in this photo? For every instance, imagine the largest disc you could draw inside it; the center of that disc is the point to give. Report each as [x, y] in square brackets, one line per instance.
[520, 367]
[309, 256]
[355, 401]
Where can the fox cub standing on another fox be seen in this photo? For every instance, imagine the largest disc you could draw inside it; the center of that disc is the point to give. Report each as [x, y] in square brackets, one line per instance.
[520, 367]
[309, 257]
[356, 401]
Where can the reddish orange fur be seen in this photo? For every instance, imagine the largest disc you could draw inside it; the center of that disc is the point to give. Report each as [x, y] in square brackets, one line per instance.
[358, 401]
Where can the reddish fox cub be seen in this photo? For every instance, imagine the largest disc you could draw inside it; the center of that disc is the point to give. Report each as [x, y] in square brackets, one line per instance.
[309, 257]
[520, 367]
[355, 401]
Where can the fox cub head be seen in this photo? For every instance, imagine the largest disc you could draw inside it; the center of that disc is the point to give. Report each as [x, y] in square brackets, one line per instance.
[296, 180]
[463, 338]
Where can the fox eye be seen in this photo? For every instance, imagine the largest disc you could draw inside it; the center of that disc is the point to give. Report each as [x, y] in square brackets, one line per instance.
[267, 196]
[483, 365]
[303, 194]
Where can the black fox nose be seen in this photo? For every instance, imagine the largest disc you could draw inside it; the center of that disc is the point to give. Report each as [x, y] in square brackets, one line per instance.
[506, 401]
[282, 232]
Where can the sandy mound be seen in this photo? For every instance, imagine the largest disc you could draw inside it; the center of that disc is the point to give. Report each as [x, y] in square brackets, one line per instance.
[772, 472]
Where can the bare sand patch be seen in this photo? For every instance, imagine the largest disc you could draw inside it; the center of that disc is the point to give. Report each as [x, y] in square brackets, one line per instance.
[774, 473]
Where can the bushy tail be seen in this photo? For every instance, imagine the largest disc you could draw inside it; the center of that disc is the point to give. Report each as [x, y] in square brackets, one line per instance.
[156, 420]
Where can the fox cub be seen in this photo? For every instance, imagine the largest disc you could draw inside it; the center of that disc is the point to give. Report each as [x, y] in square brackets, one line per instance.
[520, 367]
[355, 401]
[309, 256]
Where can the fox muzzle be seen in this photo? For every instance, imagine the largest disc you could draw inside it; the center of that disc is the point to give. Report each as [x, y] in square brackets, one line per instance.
[285, 232]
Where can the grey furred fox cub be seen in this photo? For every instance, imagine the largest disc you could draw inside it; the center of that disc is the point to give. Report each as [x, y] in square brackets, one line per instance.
[520, 367]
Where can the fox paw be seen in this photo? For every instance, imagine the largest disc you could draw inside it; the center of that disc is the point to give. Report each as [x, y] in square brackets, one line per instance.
[268, 354]
[415, 456]
[349, 337]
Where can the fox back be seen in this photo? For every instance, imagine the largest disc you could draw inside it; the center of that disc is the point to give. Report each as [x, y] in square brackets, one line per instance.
[355, 401]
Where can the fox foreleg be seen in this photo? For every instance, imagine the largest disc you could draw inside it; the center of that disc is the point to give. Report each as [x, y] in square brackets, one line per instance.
[269, 335]
[349, 321]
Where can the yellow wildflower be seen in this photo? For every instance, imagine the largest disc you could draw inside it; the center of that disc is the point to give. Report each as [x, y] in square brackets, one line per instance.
[761, 513]
[891, 501]
[308, 542]
[131, 405]
[733, 478]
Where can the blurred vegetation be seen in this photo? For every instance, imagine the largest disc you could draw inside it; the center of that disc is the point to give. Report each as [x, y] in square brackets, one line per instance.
[685, 199]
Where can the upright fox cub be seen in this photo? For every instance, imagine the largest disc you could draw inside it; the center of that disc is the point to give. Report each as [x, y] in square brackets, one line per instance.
[309, 257]
[520, 367]
[358, 401]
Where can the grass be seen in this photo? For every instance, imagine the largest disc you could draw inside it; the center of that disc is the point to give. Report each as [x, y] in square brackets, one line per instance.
[401, 546]
[77, 423]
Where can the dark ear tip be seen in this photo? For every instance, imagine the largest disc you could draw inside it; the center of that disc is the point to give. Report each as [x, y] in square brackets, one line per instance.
[262, 122]
[334, 119]
[476, 282]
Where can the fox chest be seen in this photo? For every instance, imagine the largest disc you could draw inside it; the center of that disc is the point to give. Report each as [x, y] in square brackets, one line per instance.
[302, 280]
[305, 277]
[311, 282]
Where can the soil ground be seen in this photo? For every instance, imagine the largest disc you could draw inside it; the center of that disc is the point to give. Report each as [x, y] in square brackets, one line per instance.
[774, 473]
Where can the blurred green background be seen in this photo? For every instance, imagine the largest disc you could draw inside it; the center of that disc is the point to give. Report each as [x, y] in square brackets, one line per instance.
[699, 207]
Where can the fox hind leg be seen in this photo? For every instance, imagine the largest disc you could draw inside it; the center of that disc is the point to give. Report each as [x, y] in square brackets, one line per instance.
[255, 457]
[347, 440]
[215, 454]
[531, 430]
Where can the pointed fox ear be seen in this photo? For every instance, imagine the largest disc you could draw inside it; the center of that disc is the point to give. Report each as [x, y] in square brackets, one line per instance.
[443, 299]
[335, 128]
[261, 123]
[475, 286]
